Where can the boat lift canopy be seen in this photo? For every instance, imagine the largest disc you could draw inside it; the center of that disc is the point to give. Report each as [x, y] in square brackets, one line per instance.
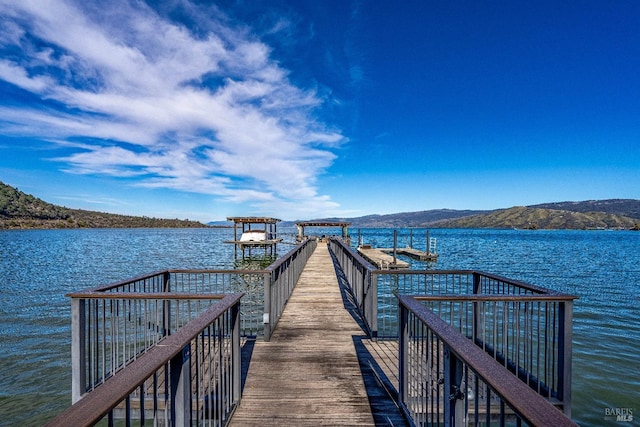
[302, 224]
[263, 236]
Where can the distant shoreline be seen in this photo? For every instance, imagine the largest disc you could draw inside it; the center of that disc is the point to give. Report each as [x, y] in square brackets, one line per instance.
[19, 210]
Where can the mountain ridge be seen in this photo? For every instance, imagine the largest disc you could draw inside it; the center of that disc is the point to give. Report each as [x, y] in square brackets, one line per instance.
[21, 210]
[589, 214]
[423, 218]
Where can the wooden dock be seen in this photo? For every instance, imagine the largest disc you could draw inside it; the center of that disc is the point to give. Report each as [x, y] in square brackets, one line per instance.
[381, 259]
[309, 373]
[413, 253]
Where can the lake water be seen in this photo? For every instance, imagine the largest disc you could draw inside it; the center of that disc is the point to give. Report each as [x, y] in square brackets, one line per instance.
[38, 267]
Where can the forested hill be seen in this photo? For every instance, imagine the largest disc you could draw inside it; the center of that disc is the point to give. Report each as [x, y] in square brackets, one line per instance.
[20, 210]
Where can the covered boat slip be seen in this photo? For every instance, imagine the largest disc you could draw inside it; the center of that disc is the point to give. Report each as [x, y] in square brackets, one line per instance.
[255, 232]
[301, 225]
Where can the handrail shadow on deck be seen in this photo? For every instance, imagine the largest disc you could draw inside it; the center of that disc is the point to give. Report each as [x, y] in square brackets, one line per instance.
[246, 353]
[348, 299]
[381, 392]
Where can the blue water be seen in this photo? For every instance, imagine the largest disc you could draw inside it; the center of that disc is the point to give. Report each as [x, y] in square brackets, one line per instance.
[38, 267]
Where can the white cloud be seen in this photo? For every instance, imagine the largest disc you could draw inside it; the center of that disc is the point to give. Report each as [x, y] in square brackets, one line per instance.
[190, 109]
[19, 77]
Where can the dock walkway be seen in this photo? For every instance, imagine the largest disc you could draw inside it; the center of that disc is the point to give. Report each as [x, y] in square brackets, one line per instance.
[309, 373]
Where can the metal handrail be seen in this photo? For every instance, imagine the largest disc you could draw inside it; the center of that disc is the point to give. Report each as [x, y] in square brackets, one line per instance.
[280, 280]
[112, 325]
[120, 285]
[481, 274]
[530, 335]
[358, 273]
[117, 389]
[109, 330]
[459, 356]
[496, 297]
[359, 259]
[146, 295]
[526, 328]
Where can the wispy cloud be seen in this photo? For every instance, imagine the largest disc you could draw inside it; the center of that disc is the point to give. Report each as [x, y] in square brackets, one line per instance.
[129, 93]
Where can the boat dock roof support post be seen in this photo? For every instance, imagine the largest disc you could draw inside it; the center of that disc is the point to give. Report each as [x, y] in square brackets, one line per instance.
[344, 225]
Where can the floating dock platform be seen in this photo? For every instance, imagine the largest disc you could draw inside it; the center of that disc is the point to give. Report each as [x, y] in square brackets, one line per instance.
[380, 259]
[383, 258]
[413, 253]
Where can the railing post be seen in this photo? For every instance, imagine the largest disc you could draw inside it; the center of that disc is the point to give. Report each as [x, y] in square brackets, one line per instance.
[166, 281]
[166, 317]
[372, 296]
[361, 286]
[237, 363]
[454, 408]
[474, 305]
[476, 282]
[403, 348]
[267, 306]
[565, 350]
[78, 349]
[180, 366]
[166, 306]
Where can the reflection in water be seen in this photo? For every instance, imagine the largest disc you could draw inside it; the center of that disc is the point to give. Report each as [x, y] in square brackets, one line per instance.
[254, 262]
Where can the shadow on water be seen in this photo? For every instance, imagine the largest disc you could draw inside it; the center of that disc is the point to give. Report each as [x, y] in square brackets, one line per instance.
[254, 262]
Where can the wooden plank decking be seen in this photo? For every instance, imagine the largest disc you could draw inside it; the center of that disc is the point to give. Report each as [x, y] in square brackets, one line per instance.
[309, 373]
[413, 253]
[381, 259]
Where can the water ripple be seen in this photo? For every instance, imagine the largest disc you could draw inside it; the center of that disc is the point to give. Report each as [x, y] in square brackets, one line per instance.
[39, 267]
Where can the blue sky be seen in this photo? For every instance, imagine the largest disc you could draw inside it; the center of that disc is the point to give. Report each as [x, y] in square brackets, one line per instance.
[304, 109]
